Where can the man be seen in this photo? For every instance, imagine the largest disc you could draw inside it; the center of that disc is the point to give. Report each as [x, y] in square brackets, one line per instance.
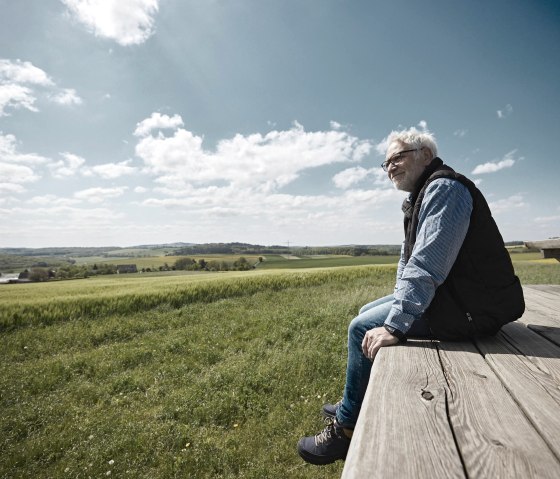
[455, 279]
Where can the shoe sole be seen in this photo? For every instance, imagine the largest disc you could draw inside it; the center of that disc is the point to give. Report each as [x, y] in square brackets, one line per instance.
[317, 460]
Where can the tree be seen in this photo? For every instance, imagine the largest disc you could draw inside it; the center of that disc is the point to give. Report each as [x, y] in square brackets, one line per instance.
[38, 274]
[241, 264]
[184, 263]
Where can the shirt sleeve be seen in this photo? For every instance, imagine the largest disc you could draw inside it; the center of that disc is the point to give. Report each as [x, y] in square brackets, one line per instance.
[442, 226]
[400, 267]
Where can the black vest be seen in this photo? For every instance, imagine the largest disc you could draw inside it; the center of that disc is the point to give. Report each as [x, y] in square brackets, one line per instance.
[481, 292]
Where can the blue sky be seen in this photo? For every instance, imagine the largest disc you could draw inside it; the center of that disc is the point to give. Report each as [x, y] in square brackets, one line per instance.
[126, 122]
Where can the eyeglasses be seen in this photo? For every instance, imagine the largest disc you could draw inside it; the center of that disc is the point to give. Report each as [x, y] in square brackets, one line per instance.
[396, 159]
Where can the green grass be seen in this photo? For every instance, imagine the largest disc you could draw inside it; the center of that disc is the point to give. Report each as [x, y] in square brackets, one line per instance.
[279, 262]
[42, 304]
[206, 389]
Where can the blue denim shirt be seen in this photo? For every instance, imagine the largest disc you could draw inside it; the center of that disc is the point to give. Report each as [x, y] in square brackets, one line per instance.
[442, 227]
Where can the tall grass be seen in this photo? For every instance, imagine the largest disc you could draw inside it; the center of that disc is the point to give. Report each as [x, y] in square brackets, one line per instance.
[110, 299]
[538, 272]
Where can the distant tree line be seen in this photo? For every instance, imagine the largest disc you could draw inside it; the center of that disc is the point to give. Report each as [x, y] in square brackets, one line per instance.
[71, 271]
[353, 250]
[74, 271]
[190, 264]
[69, 251]
[229, 248]
[252, 249]
[11, 263]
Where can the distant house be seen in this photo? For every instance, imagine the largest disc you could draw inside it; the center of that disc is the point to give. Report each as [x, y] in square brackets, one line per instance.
[127, 268]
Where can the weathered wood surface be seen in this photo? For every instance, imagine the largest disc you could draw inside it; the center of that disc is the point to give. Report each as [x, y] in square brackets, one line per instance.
[549, 248]
[384, 443]
[494, 409]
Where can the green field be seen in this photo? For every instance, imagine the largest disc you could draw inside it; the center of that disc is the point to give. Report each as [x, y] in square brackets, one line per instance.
[204, 375]
[327, 261]
[155, 262]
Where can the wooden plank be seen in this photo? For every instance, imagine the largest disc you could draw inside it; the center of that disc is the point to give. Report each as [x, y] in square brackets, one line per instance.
[529, 367]
[549, 248]
[547, 294]
[532, 305]
[493, 434]
[543, 244]
[545, 301]
[552, 288]
[543, 318]
[546, 327]
[403, 430]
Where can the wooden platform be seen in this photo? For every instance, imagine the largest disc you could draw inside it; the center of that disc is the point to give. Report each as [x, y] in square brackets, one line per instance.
[549, 248]
[484, 409]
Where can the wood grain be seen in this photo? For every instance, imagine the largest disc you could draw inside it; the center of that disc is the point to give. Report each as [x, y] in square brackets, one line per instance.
[403, 429]
[529, 368]
[494, 436]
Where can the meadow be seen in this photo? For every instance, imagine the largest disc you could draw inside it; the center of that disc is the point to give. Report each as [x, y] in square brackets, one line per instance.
[204, 375]
[154, 261]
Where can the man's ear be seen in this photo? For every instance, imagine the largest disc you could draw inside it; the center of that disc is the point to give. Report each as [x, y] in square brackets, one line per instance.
[427, 155]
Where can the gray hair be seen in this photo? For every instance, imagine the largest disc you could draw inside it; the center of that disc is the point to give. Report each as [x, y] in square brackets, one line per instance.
[413, 138]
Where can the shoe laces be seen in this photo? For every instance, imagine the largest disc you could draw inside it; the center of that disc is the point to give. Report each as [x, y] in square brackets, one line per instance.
[326, 434]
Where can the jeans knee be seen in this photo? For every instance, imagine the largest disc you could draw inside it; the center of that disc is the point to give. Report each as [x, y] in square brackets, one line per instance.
[356, 330]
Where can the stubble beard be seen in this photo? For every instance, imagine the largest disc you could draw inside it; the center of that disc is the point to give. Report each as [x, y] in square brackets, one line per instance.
[403, 184]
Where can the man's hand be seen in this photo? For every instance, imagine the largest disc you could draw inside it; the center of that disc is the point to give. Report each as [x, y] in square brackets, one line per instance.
[375, 339]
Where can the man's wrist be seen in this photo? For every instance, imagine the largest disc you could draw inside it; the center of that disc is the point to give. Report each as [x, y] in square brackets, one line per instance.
[395, 332]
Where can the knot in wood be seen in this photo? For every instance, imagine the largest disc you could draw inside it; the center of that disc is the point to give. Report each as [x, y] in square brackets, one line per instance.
[427, 395]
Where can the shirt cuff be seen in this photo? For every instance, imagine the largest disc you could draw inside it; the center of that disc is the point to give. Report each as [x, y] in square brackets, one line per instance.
[395, 332]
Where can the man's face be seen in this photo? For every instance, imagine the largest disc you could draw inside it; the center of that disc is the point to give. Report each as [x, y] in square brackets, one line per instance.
[405, 168]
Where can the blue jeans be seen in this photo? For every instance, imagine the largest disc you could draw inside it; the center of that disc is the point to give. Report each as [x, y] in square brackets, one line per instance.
[372, 315]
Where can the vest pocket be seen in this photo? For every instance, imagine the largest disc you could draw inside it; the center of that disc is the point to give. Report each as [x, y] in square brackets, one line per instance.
[448, 321]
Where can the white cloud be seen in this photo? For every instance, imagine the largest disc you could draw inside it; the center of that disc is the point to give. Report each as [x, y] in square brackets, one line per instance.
[423, 125]
[350, 176]
[16, 96]
[67, 96]
[99, 195]
[507, 204]
[507, 111]
[69, 165]
[11, 187]
[265, 162]
[22, 72]
[335, 125]
[17, 168]
[17, 174]
[547, 219]
[491, 167]
[7, 200]
[52, 201]
[9, 152]
[461, 132]
[110, 171]
[157, 121]
[241, 181]
[140, 189]
[21, 83]
[128, 22]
